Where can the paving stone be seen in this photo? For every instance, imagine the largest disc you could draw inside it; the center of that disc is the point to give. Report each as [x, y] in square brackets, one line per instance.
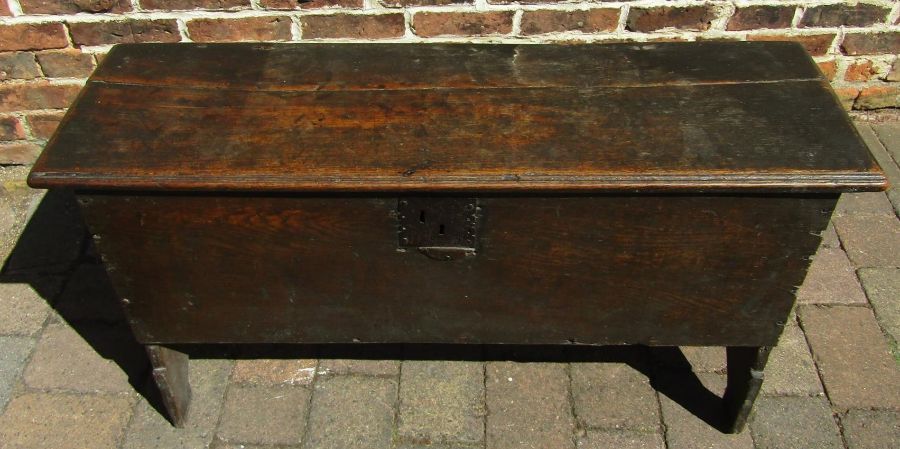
[367, 367]
[352, 412]
[275, 371]
[830, 237]
[852, 355]
[831, 280]
[22, 310]
[889, 135]
[703, 359]
[865, 203]
[219, 444]
[888, 164]
[794, 422]
[65, 360]
[882, 286]
[870, 240]
[149, 427]
[264, 415]
[528, 406]
[597, 386]
[89, 297]
[61, 421]
[13, 354]
[15, 201]
[442, 402]
[684, 429]
[872, 429]
[790, 370]
[438, 446]
[52, 239]
[620, 439]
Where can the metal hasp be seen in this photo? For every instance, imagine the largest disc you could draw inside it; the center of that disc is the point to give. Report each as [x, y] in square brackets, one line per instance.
[442, 228]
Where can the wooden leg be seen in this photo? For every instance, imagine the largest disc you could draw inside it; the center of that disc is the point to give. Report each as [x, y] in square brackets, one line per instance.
[745, 377]
[170, 371]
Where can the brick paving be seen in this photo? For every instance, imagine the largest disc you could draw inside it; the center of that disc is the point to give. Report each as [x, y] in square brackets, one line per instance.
[71, 376]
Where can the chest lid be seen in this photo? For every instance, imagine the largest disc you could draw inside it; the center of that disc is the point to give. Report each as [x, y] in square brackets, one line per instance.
[701, 116]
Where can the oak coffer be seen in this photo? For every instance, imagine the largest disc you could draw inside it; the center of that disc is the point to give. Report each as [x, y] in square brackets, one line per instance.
[656, 194]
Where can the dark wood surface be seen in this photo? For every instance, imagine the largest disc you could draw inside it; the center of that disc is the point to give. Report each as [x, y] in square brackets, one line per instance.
[712, 116]
[745, 377]
[170, 372]
[659, 270]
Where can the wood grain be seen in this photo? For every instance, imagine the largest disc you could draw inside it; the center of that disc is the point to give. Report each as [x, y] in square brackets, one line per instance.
[360, 117]
[661, 270]
[374, 66]
[170, 372]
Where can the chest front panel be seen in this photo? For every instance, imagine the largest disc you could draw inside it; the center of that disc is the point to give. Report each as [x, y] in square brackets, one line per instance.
[668, 269]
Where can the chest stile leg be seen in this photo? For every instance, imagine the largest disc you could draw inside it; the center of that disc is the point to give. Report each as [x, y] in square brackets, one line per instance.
[170, 371]
[745, 377]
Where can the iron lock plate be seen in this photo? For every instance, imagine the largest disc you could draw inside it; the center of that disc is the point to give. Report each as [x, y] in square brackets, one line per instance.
[442, 228]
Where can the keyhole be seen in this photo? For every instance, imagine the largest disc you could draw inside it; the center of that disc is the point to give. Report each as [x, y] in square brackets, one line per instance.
[441, 230]
[422, 217]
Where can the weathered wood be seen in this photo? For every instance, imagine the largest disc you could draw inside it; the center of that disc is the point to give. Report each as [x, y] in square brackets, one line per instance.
[170, 371]
[415, 66]
[491, 119]
[667, 270]
[661, 194]
[745, 378]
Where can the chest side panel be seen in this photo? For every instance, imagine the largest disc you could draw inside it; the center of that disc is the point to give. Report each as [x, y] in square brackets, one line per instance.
[673, 270]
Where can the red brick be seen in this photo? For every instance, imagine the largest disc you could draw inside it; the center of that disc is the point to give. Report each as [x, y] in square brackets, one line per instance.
[19, 153]
[26, 36]
[696, 18]
[175, 5]
[243, 29]
[586, 21]
[871, 44]
[828, 68]
[18, 65]
[43, 124]
[430, 24]
[360, 26]
[4, 9]
[136, 30]
[894, 74]
[36, 95]
[402, 3]
[815, 45]
[847, 96]
[11, 128]
[72, 7]
[66, 63]
[840, 14]
[309, 4]
[861, 70]
[528, 2]
[878, 97]
[763, 16]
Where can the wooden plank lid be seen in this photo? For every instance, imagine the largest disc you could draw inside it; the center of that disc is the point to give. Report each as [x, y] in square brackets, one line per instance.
[705, 116]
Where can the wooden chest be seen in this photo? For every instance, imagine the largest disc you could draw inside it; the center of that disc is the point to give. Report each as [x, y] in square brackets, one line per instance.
[658, 194]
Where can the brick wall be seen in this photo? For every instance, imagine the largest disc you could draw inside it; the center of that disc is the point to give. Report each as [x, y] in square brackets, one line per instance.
[48, 47]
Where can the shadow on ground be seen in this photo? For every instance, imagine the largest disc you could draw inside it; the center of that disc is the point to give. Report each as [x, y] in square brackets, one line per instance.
[55, 256]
